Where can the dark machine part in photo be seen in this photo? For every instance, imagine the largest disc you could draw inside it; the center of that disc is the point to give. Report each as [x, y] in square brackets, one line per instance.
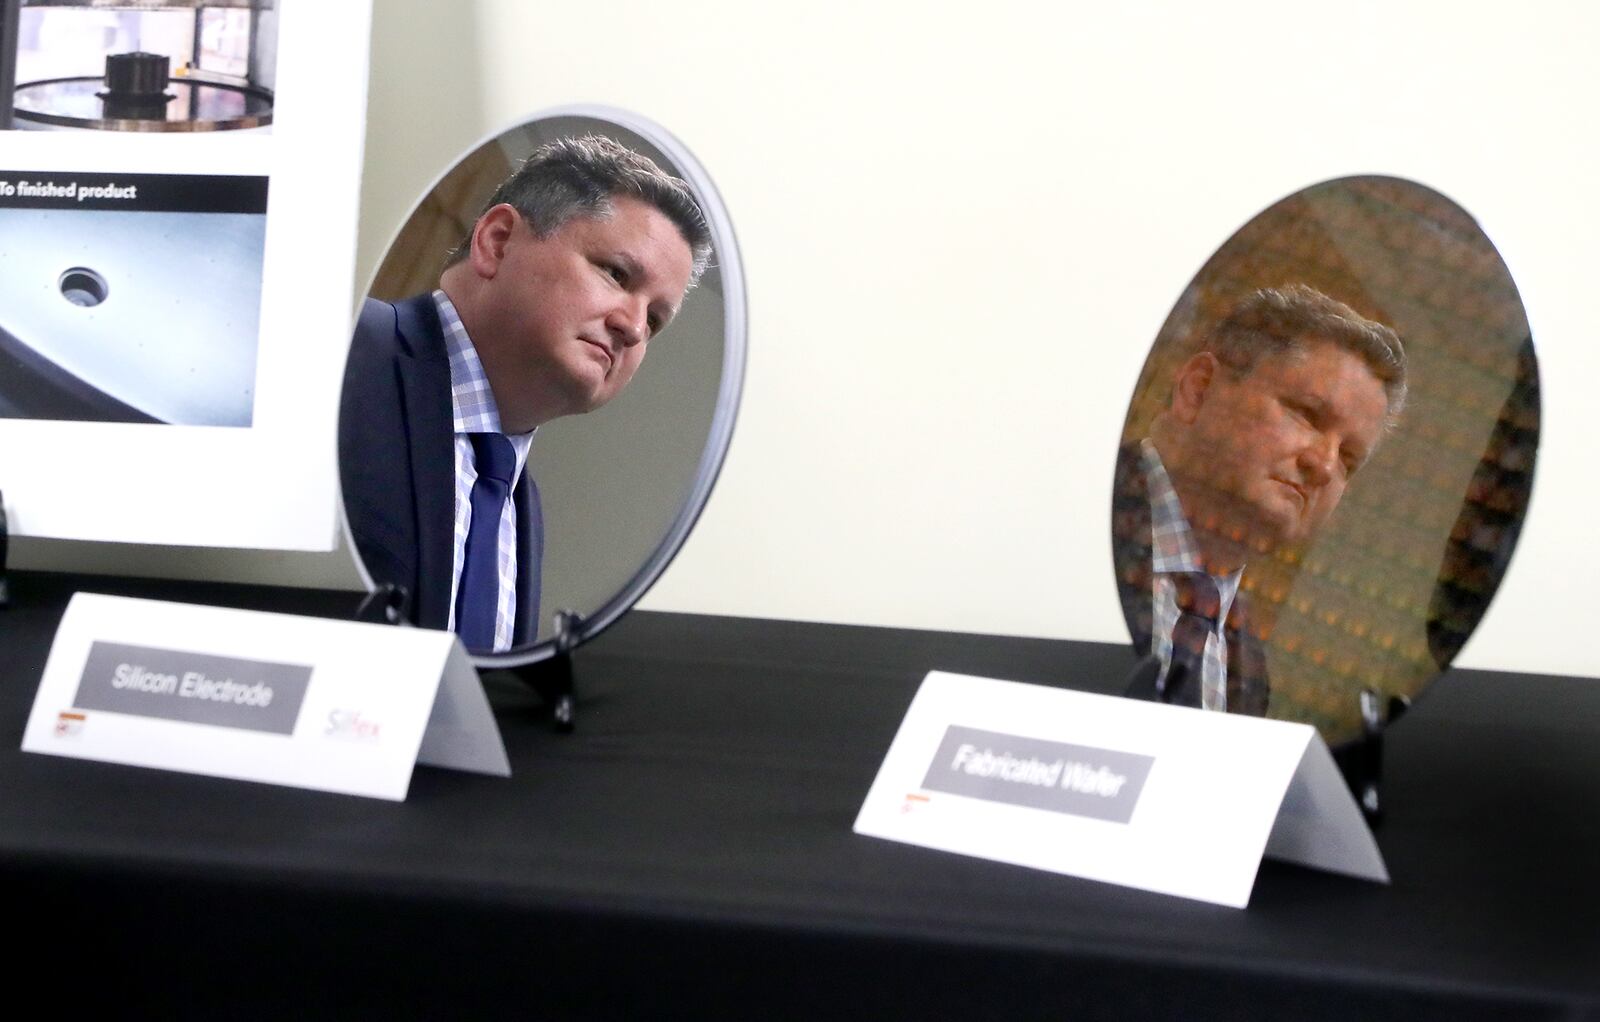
[122, 90]
[9, 10]
[37, 388]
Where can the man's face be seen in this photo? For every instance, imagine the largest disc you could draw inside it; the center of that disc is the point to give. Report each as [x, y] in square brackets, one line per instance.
[568, 316]
[1268, 455]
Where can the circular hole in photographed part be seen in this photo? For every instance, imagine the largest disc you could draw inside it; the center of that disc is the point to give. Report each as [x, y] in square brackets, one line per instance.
[83, 286]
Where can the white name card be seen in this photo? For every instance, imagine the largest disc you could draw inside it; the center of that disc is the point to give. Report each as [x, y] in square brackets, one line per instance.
[276, 698]
[1141, 794]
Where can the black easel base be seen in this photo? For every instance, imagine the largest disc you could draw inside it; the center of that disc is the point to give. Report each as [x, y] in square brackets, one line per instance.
[552, 680]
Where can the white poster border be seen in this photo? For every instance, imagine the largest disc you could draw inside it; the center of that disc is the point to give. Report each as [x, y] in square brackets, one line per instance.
[272, 485]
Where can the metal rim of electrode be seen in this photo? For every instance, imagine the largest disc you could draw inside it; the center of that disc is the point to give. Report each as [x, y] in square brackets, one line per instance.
[725, 247]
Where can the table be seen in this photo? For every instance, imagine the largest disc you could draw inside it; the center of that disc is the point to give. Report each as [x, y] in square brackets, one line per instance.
[688, 852]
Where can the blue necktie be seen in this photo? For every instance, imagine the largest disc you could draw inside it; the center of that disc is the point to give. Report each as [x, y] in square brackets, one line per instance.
[1199, 605]
[478, 595]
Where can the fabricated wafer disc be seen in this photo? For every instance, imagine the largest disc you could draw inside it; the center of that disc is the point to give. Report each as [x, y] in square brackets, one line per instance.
[1384, 594]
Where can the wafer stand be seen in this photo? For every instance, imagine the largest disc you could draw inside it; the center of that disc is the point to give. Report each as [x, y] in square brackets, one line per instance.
[1360, 761]
[552, 677]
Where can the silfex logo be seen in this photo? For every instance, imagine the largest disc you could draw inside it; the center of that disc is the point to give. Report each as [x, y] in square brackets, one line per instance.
[351, 724]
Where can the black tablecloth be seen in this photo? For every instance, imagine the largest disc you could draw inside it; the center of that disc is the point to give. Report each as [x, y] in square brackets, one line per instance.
[688, 852]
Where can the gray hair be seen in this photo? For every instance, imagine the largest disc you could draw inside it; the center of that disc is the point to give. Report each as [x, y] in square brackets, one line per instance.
[573, 177]
[1287, 320]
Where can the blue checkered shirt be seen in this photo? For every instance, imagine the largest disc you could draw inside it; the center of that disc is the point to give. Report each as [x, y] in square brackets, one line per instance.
[1173, 549]
[472, 403]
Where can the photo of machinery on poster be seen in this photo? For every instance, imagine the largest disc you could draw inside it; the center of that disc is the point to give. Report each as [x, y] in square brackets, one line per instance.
[178, 208]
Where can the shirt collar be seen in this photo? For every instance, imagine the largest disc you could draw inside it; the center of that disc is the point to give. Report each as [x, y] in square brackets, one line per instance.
[1173, 547]
[471, 399]
[1172, 544]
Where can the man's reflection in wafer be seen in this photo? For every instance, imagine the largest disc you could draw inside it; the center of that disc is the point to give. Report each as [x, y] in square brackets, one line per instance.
[1266, 424]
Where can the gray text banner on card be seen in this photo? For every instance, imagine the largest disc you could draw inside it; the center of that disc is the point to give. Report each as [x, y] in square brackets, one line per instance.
[197, 688]
[1102, 784]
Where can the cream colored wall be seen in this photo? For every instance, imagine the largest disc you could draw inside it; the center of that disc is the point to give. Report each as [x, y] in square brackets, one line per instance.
[964, 223]
[962, 226]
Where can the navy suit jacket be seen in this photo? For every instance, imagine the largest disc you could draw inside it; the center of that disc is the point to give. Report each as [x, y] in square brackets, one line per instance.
[397, 465]
[1248, 689]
